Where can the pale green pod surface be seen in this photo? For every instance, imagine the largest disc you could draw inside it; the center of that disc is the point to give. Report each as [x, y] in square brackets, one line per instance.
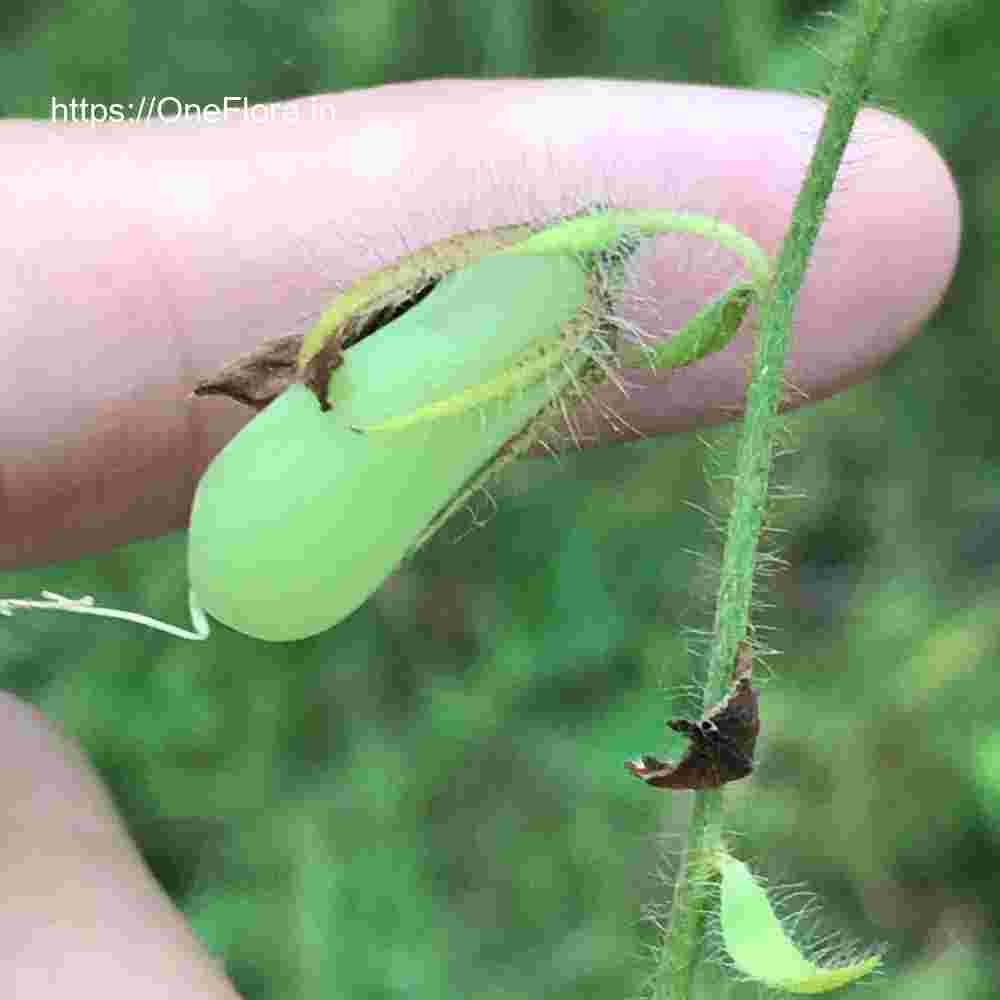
[301, 517]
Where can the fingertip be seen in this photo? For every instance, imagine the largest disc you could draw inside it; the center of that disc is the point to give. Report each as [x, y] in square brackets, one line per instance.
[886, 255]
[886, 252]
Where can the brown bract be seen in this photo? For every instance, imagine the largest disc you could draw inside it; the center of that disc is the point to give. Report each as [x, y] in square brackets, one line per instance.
[721, 744]
[374, 301]
[257, 378]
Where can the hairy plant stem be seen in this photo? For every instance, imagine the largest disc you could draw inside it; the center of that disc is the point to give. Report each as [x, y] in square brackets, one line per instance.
[683, 940]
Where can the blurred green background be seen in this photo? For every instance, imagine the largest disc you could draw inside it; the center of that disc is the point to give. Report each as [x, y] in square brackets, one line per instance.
[430, 799]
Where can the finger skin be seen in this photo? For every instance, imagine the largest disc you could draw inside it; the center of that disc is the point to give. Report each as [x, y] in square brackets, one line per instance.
[140, 258]
[80, 916]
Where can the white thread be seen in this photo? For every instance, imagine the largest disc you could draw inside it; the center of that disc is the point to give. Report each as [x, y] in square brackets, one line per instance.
[85, 606]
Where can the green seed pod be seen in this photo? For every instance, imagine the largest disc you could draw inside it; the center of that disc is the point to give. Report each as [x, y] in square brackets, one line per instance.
[302, 515]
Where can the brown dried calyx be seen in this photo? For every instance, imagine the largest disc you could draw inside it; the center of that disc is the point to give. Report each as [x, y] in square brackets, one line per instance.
[257, 378]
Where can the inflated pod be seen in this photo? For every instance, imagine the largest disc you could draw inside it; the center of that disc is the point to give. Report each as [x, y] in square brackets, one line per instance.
[304, 513]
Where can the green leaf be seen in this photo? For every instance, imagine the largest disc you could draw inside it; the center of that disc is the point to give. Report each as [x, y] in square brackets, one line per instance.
[760, 948]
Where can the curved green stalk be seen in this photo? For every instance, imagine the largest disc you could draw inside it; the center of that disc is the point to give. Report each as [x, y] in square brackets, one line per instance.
[684, 939]
[599, 230]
